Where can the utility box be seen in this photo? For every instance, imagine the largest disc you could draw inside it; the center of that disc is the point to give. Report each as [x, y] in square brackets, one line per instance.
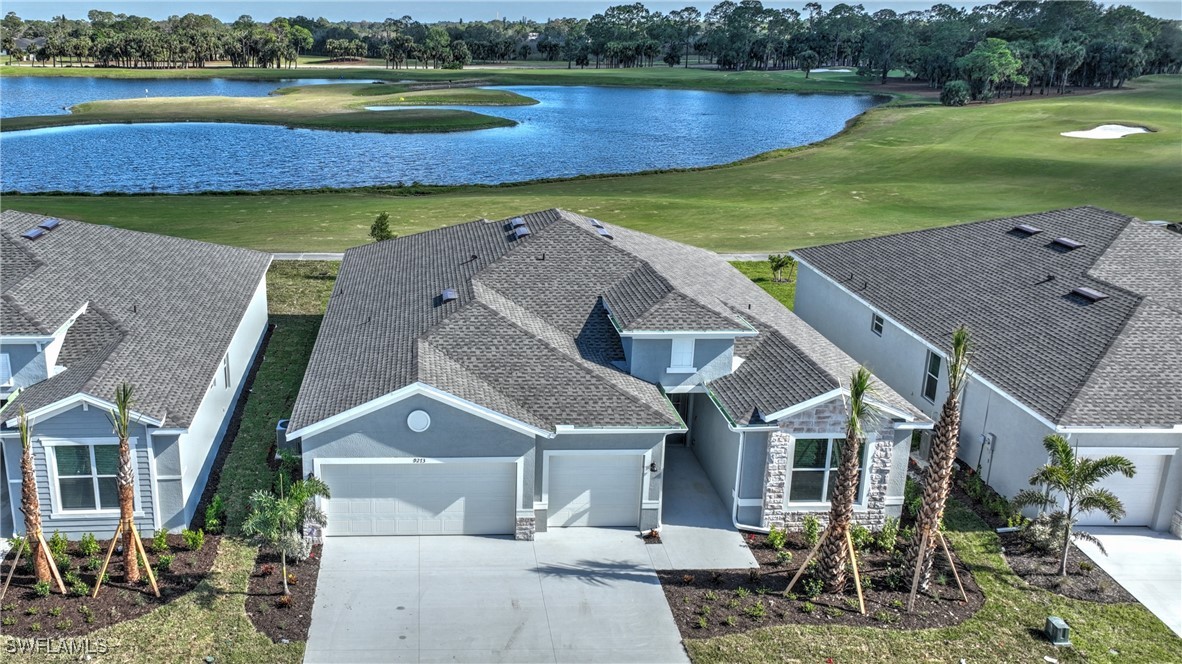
[1057, 631]
[281, 442]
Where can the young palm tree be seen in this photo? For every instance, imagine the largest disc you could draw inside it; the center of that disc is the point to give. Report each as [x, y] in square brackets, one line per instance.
[125, 481]
[779, 263]
[277, 520]
[1068, 483]
[30, 504]
[937, 479]
[834, 554]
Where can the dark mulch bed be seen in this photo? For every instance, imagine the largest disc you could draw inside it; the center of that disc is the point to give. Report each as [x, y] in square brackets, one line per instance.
[24, 614]
[733, 601]
[1085, 579]
[269, 614]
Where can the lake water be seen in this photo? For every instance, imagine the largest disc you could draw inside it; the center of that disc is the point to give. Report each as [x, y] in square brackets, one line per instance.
[572, 131]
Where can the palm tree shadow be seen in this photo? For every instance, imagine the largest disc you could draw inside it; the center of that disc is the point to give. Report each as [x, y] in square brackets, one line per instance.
[602, 573]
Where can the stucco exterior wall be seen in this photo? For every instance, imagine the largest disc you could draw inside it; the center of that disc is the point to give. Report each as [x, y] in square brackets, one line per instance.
[27, 364]
[716, 447]
[649, 358]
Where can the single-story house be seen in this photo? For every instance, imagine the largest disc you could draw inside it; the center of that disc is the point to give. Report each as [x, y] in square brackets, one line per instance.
[513, 376]
[84, 308]
[1075, 315]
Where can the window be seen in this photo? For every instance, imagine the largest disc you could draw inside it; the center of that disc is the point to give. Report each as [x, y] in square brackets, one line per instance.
[876, 324]
[226, 372]
[5, 370]
[86, 476]
[931, 376]
[814, 469]
[682, 357]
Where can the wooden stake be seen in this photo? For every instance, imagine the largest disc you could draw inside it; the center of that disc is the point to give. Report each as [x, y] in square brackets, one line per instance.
[923, 548]
[15, 561]
[849, 541]
[139, 545]
[955, 574]
[98, 582]
[52, 563]
[804, 565]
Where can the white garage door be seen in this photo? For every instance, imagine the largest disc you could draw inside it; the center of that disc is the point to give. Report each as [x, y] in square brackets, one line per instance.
[1139, 493]
[452, 498]
[594, 490]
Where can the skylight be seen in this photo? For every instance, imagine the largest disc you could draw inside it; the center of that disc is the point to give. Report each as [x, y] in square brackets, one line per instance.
[449, 294]
[1089, 294]
[1027, 229]
[521, 231]
[596, 223]
[516, 222]
[50, 224]
[1068, 243]
[605, 233]
[33, 233]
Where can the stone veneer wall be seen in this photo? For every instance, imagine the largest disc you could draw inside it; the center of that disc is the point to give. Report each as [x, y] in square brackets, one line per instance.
[829, 417]
[1176, 524]
[526, 525]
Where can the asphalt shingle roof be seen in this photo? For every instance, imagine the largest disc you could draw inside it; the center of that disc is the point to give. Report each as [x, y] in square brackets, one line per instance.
[529, 335]
[1076, 362]
[160, 311]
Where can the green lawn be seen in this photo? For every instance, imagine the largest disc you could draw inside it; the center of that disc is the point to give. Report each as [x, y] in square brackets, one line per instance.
[897, 169]
[334, 107]
[761, 273]
[1006, 629]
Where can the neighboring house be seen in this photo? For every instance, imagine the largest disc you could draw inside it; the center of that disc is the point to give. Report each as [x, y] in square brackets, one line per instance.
[507, 377]
[1076, 317]
[84, 308]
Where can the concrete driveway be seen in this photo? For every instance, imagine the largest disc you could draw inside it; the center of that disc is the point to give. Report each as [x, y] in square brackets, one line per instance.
[1147, 563]
[574, 595]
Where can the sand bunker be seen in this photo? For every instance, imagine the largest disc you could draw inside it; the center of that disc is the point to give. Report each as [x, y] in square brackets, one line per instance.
[823, 71]
[1106, 132]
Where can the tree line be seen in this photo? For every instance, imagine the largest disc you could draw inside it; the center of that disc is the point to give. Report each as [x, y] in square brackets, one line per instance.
[1009, 46]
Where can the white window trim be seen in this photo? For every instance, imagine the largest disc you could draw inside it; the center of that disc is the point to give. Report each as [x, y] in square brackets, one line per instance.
[859, 502]
[679, 348]
[927, 363]
[55, 502]
[877, 324]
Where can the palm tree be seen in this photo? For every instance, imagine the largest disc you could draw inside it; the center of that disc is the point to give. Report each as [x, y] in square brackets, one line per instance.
[834, 552]
[779, 263]
[277, 520]
[125, 481]
[30, 504]
[937, 479]
[1068, 483]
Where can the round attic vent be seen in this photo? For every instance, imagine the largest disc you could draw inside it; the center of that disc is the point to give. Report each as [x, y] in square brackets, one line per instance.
[418, 420]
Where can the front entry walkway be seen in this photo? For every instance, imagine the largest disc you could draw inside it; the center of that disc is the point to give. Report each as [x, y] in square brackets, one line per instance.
[1147, 563]
[696, 531]
[573, 595]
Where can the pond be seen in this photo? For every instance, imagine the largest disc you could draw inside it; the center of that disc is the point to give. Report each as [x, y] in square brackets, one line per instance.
[572, 131]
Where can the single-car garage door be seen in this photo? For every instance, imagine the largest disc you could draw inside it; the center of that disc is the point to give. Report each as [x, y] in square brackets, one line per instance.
[594, 490]
[452, 498]
[1139, 493]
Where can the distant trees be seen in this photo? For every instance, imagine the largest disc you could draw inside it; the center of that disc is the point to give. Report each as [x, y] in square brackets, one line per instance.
[1014, 48]
[955, 93]
[380, 228]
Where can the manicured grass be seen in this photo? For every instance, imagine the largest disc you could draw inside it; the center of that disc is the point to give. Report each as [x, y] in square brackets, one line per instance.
[334, 107]
[761, 273]
[399, 95]
[1007, 628]
[297, 294]
[896, 169]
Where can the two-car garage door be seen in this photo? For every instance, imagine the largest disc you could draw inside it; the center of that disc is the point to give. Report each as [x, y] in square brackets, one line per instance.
[452, 498]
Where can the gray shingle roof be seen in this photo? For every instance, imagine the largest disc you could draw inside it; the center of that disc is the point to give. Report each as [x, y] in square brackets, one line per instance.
[1075, 362]
[529, 335]
[160, 311]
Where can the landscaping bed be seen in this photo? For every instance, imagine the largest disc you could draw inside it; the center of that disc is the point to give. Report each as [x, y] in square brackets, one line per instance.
[24, 613]
[709, 603]
[283, 620]
[1085, 579]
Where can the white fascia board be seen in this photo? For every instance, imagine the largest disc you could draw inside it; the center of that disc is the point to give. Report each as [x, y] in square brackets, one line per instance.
[1177, 428]
[568, 429]
[26, 339]
[805, 405]
[692, 334]
[413, 389]
[930, 346]
[168, 432]
[58, 407]
[1124, 451]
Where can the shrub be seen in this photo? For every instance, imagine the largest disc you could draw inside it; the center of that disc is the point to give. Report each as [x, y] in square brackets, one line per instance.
[283, 602]
[833, 612]
[756, 611]
[888, 537]
[62, 561]
[711, 595]
[41, 588]
[730, 621]
[784, 556]
[160, 541]
[867, 582]
[266, 569]
[194, 539]
[1045, 532]
[704, 610]
[8, 607]
[292, 579]
[215, 514]
[71, 577]
[812, 530]
[164, 563]
[31, 611]
[777, 538]
[861, 537]
[17, 544]
[8, 621]
[1085, 566]
[87, 614]
[912, 497]
[742, 592]
[813, 587]
[955, 93]
[80, 588]
[379, 230]
[59, 544]
[88, 545]
[92, 564]
[64, 624]
[808, 607]
[895, 578]
[55, 611]
[35, 627]
[702, 622]
[886, 617]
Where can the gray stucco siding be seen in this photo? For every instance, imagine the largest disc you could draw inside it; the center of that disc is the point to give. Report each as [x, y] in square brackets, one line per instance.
[648, 359]
[27, 364]
[716, 447]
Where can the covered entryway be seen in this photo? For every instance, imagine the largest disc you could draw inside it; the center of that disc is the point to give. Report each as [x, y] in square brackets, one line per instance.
[1139, 493]
[594, 489]
[423, 498]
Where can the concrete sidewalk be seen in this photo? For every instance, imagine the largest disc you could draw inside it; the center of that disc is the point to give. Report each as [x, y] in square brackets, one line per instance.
[1147, 563]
